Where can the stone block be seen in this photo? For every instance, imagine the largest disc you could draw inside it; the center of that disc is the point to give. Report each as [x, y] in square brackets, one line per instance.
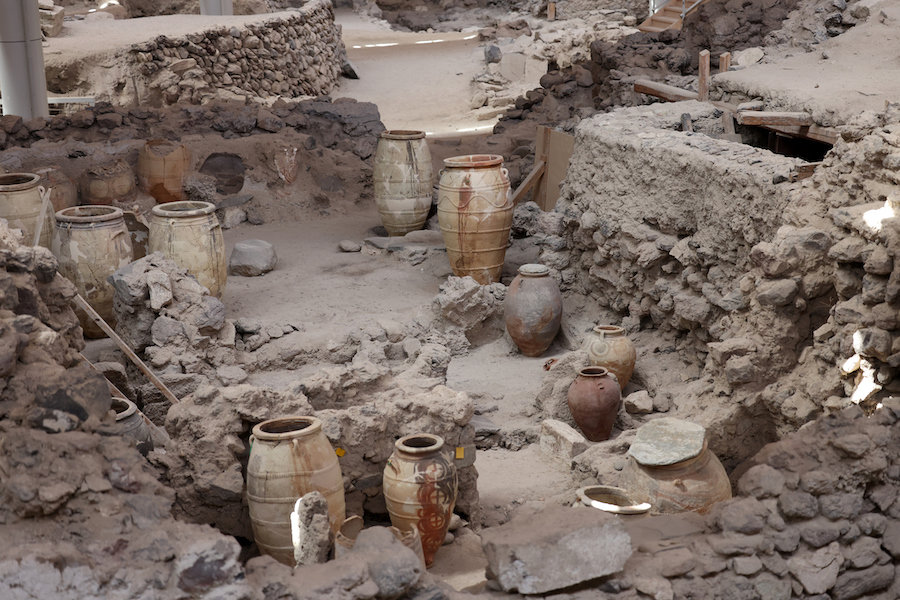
[639, 403]
[560, 440]
[555, 549]
[251, 258]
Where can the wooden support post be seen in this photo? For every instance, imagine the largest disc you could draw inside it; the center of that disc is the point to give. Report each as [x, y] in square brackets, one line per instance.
[703, 81]
[551, 11]
[156, 381]
[669, 93]
[728, 122]
[528, 183]
[724, 62]
[686, 124]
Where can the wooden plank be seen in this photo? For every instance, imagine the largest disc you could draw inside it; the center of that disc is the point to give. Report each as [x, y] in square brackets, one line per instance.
[156, 381]
[557, 148]
[551, 11]
[670, 93]
[760, 117]
[703, 80]
[686, 124]
[530, 180]
[724, 62]
[805, 171]
[826, 135]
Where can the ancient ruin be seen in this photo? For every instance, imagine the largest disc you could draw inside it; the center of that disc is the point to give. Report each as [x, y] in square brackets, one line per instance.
[443, 300]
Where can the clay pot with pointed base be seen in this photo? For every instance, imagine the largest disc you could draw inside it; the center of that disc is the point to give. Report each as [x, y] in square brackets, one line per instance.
[594, 399]
[420, 484]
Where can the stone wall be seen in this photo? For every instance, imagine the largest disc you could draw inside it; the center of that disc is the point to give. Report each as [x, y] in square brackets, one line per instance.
[290, 55]
[766, 286]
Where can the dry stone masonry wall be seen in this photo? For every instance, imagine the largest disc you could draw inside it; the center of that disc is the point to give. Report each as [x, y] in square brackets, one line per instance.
[294, 55]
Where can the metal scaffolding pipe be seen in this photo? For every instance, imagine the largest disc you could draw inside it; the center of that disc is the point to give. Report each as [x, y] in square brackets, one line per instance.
[216, 7]
[22, 79]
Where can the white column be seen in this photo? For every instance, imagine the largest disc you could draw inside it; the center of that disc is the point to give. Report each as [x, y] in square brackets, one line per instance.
[216, 7]
[22, 80]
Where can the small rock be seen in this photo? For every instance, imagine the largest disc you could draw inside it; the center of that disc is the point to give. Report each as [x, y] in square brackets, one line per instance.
[231, 375]
[639, 403]
[492, 54]
[349, 246]
[313, 543]
[251, 258]
[560, 440]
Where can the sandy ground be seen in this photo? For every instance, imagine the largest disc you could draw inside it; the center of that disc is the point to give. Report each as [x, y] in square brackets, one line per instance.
[859, 73]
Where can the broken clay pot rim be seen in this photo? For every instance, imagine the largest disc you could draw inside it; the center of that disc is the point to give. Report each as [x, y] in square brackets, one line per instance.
[183, 209]
[413, 443]
[473, 161]
[593, 372]
[287, 428]
[402, 134]
[622, 503]
[124, 407]
[17, 182]
[609, 330]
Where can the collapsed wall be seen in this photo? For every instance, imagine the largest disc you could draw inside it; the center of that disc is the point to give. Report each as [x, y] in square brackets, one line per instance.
[292, 54]
[784, 294]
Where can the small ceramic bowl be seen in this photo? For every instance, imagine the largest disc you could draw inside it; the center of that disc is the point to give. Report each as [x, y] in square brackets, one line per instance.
[611, 499]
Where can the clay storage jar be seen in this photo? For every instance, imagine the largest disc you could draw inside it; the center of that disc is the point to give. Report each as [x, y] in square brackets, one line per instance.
[108, 184]
[670, 466]
[533, 309]
[161, 168]
[63, 192]
[189, 233]
[420, 486]
[130, 424]
[91, 243]
[475, 214]
[403, 180]
[20, 204]
[594, 399]
[289, 457]
[608, 347]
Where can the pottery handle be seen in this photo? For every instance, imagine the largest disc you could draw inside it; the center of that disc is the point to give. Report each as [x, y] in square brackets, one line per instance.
[252, 439]
[392, 466]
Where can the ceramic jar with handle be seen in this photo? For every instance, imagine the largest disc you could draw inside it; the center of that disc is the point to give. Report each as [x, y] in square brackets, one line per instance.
[594, 399]
[608, 347]
[22, 204]
[420, 485]
[533, 309]
[402, 177]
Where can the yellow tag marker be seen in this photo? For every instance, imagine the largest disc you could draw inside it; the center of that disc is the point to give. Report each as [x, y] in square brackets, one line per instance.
[340, 451]
[460, 453]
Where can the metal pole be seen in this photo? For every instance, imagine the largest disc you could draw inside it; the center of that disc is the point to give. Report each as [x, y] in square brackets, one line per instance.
[216, 7]
[22, 79]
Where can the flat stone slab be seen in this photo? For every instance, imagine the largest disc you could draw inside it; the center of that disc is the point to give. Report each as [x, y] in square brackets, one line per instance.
[555, 548]
[667, 441]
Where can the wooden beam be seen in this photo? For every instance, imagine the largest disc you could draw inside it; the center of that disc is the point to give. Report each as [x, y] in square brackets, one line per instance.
[669, 93]
[156, 381]
[826, 135]
[765, 118]
[686, 124]
[551, 11]
[724, 62]
[804, 171]
[703, 80]
[530, 180]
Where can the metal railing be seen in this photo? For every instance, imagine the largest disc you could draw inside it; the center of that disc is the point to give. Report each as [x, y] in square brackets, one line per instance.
[686, 7]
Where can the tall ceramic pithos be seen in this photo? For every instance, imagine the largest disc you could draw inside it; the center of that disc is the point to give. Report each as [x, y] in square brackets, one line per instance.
[289, 457]
[420, 485]
[594, 399]
[189, 233]
[161, 168]
[533, 309]
[91, 243]
[402, 177]
[670, 466]
[608, 347]
[475, 214]
[21, 199]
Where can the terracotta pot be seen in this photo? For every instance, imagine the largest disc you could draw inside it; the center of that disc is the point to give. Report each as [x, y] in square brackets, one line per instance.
[420, 484]
[670, 466]
[21, 198]
[346, 538]
[403, 180]
[533, 309]
[108, 184]
[161, 168]
[91, 243]
[130, 424]
[475, 214]
[594, 399]
[289, 457]
[63, 193]
[608, 347]
[189, 233]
